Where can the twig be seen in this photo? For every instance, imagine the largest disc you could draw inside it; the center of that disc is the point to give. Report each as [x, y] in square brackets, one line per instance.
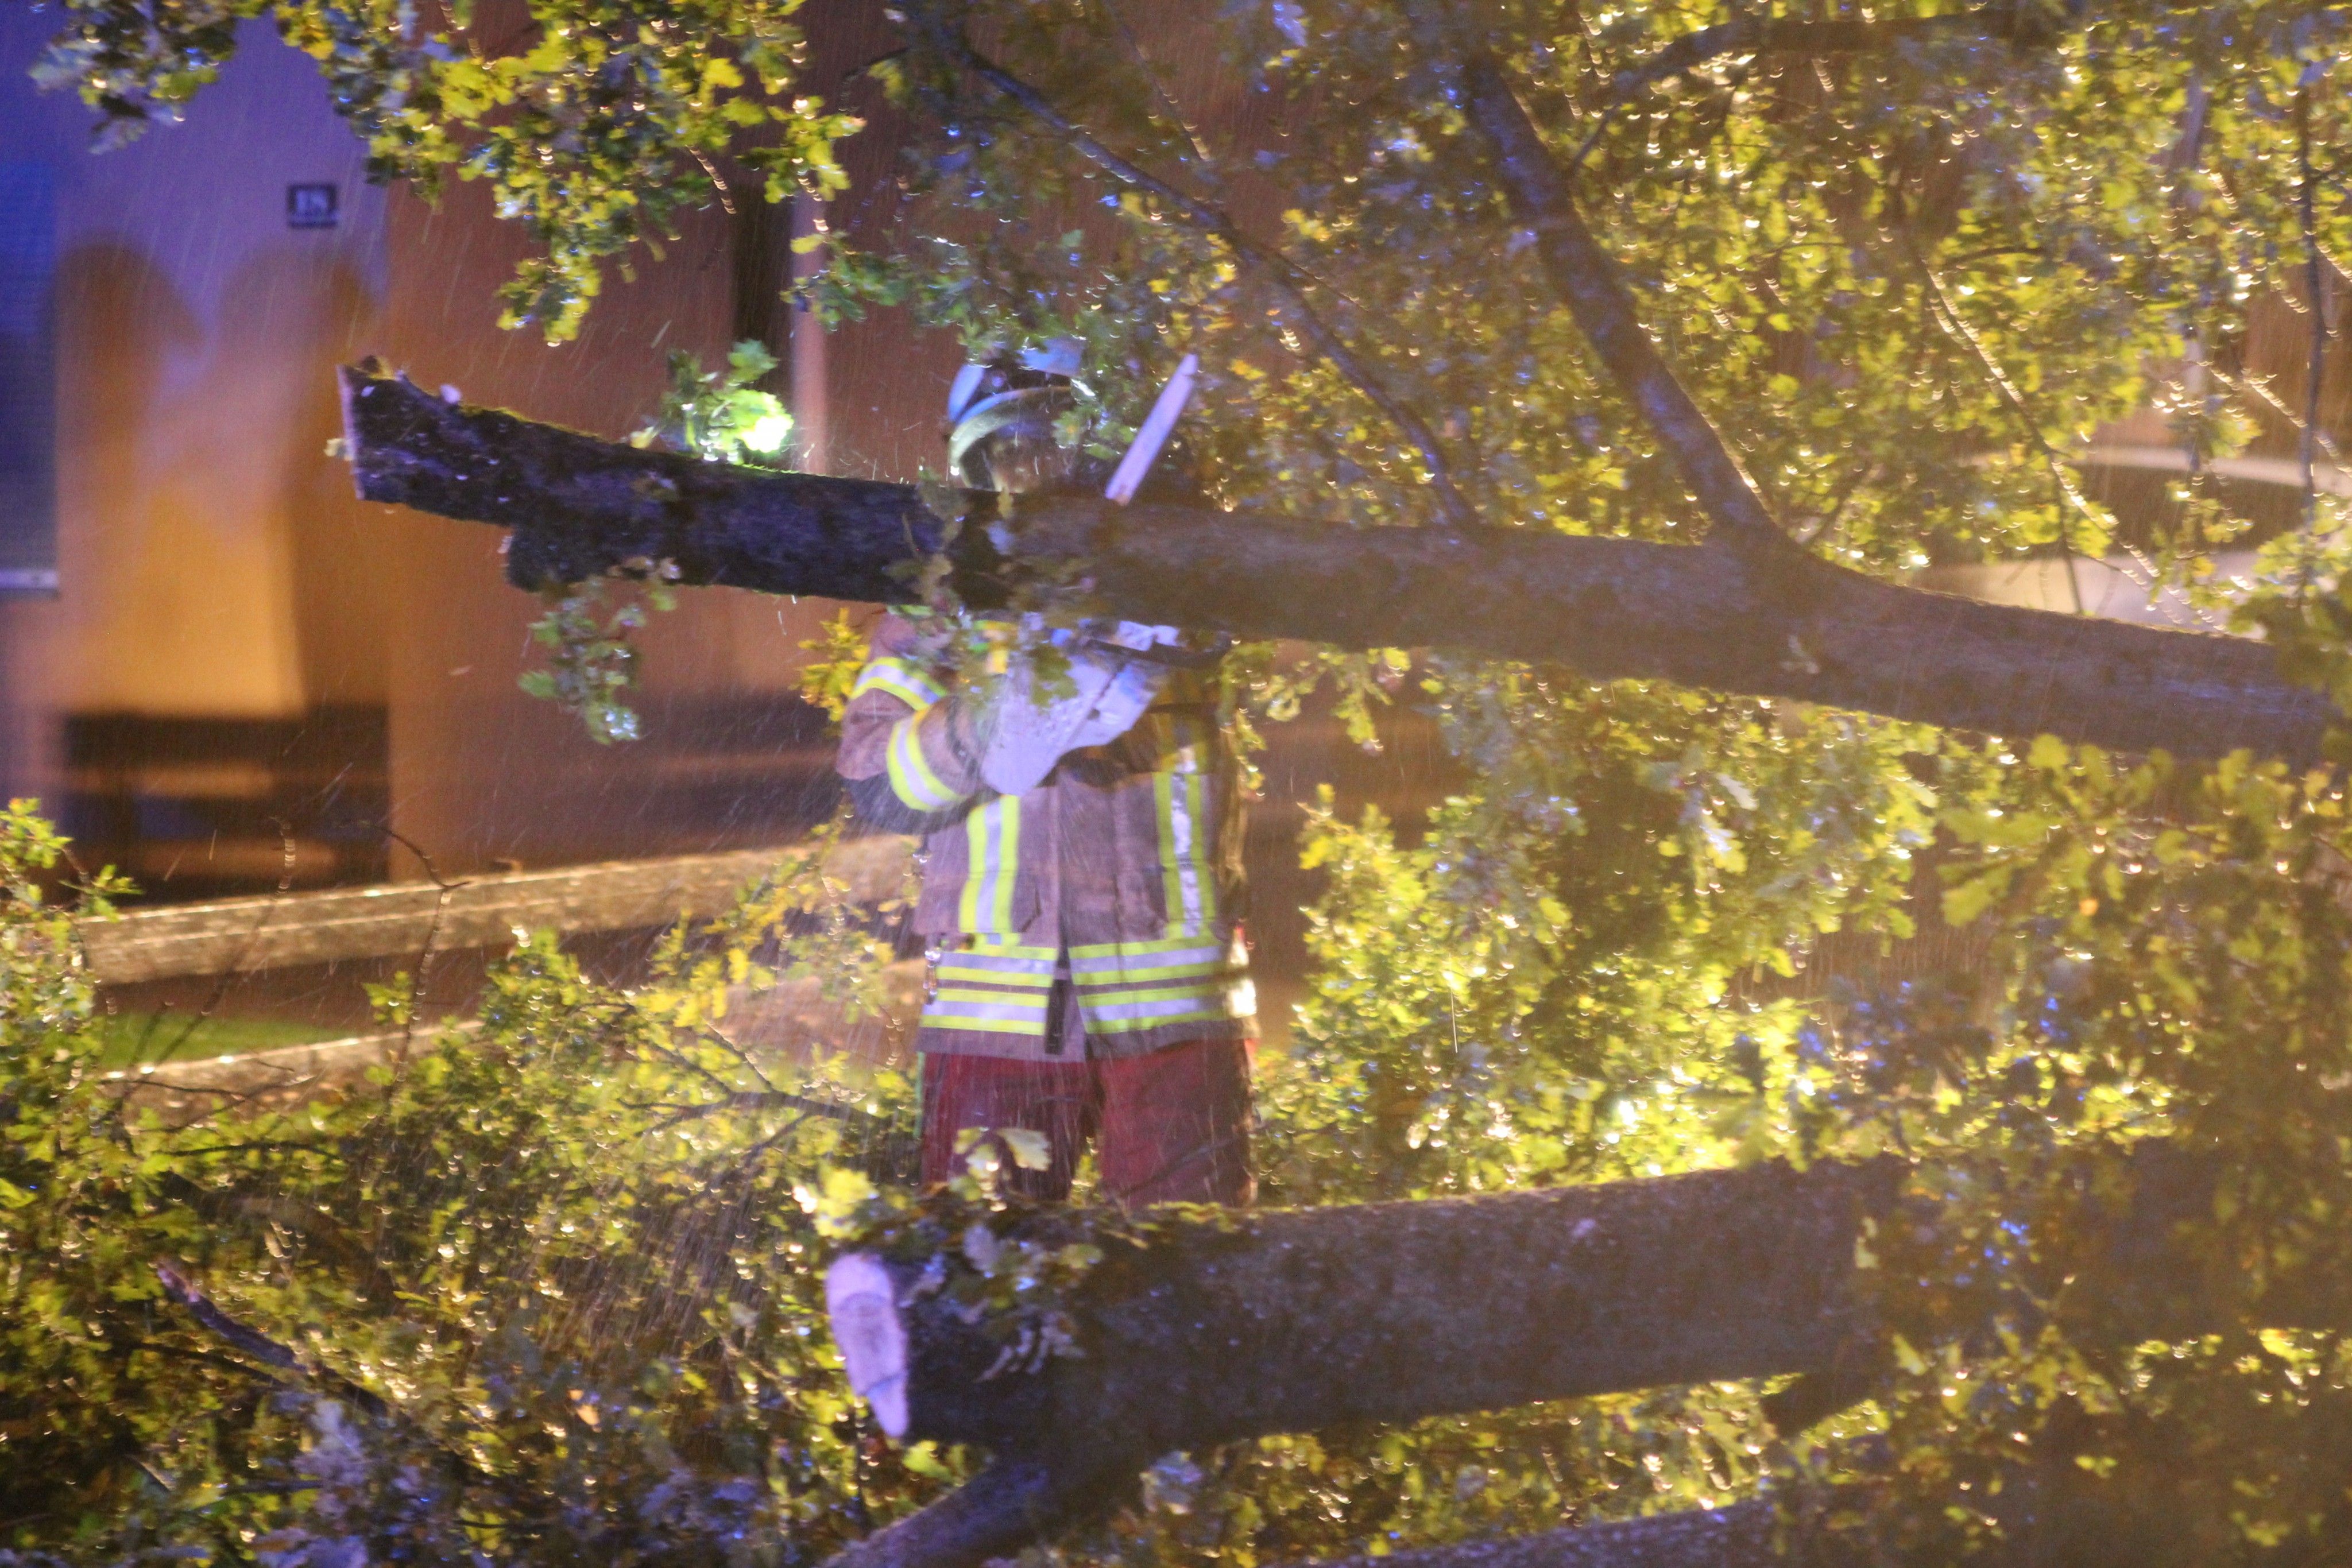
[1755, 35]
[2256, 389]
[740, 1054]
[432, 934]
[229, 977]
[252, 1342]
[857, 72]
[763, 1100]
[1954, 327]
[1781, 35]
[2315, 285]
[1827, 528]
[680, 1059]
[1168, 104]
[1273, 269]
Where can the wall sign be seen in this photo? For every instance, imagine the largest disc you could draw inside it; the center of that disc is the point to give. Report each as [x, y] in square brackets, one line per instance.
[311, 206]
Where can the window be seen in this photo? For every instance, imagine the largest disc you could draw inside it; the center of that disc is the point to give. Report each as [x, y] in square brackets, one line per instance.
[28, 525]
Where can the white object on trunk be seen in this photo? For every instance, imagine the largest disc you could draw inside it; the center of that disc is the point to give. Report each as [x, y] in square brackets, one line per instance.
[863, 1310]
[1145, 451]
[1026, 735]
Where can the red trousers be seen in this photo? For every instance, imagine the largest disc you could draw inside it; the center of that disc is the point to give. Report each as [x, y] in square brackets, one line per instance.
[1172, 1126]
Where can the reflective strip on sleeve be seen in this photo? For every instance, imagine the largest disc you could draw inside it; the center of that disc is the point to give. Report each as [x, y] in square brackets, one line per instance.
[903, 679]
[1189, 881]
[994, 864]
[911, 778]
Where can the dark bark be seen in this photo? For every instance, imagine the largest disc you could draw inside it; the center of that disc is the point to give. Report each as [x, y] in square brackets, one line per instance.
[1745, 1535]
[2077, 1523]
[998, 1511]
[1761, 623]
[1302, 1320]
[1297, 1320]
[579, 507]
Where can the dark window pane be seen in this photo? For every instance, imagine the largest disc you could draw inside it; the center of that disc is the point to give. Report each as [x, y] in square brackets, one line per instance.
[28, 527]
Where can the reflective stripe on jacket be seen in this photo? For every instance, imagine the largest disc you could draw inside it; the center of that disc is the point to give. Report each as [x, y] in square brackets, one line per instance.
[1120, 873]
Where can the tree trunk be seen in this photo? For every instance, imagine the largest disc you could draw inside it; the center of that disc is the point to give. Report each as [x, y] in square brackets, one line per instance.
[1299, 1320]
[1756, 622]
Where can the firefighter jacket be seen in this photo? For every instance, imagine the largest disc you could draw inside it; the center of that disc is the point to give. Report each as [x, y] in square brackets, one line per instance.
[1113, 887]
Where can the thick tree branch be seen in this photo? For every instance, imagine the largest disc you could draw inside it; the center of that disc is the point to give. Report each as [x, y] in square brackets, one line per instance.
[1587, 279]
[1271, 268]
[1305, 1320]
[1782, 626]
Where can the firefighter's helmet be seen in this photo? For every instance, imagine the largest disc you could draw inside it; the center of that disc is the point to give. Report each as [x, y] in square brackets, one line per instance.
[1002, 417]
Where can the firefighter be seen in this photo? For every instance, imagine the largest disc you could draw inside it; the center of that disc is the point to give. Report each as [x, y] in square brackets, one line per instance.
[1081, 873]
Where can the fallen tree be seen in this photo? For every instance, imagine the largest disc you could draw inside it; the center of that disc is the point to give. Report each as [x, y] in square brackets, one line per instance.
[1763, 622]
[1231, 1327]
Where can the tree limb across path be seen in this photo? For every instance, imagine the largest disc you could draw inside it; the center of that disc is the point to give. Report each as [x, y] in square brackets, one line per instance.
[1241, 1326]
[1773, 623]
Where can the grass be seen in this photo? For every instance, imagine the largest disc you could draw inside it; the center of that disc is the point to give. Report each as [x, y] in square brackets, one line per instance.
[132, 1038]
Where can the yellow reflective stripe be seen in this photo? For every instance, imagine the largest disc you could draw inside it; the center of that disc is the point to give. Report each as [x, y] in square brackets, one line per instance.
[1222, 1000]
[1135, 1026]
[1033, 1028]
[1007, 948]
[1123, 950]
[1007, 1004]
[1189, 950]
[1107, 998]
[993, 833]
[1205, 878]
[979, 969]
[902, 679]
[1142, 973]
[911, 778]
[1103, 964]
[1189, 883]
[917, 696]
[1163, 802]
[1159, 1002]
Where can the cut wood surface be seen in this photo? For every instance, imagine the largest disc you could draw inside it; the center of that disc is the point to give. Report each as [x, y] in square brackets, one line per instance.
[235, 935]
[1762, 622]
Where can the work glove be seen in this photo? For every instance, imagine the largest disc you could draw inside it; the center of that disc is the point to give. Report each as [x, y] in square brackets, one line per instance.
[1108, 681]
